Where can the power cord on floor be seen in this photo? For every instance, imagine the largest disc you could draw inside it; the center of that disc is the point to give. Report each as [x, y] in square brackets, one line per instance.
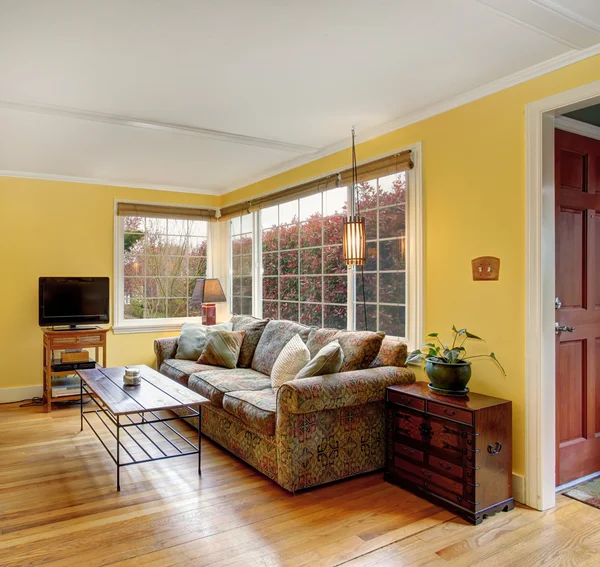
[35, 401]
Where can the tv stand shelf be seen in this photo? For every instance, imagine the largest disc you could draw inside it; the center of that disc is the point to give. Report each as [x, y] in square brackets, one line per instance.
[56, 340]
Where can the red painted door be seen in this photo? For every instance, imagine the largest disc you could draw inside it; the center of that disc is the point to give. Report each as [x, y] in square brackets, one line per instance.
[577, 178]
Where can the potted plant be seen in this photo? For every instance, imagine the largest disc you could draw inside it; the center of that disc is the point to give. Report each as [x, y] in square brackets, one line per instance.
[447, 366]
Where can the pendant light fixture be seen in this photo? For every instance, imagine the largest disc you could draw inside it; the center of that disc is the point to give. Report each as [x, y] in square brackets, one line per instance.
[355, 235]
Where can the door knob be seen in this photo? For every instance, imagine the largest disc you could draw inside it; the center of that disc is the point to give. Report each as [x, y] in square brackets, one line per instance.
[563, 329]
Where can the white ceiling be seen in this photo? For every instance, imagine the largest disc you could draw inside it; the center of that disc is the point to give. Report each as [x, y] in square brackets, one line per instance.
[205, 96]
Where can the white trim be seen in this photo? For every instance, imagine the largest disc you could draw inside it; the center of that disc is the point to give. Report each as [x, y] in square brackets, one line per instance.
[8, 395]
[134, 122]
[540, 434]
[439, 108]
[518, 488]
[414, 251]
[206, 190]
[577, 127]
[153, 325]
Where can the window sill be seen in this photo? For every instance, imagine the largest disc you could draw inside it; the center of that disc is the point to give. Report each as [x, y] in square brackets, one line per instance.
[152, 326]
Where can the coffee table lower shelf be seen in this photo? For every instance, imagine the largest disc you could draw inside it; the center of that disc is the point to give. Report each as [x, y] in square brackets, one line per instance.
[143, 434]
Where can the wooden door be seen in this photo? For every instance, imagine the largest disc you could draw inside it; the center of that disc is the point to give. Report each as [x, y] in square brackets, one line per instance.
[577, 175]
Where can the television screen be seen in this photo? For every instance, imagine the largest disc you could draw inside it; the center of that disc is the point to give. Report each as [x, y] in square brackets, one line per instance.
[73, 301]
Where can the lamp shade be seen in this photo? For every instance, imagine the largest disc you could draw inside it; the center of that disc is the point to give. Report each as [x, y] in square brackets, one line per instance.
[354, 241]
[208, 290]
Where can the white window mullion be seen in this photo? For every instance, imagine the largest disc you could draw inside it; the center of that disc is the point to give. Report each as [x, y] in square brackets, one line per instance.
[256, 265]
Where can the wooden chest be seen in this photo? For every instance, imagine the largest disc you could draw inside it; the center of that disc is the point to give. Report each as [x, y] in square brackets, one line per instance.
[456, 452]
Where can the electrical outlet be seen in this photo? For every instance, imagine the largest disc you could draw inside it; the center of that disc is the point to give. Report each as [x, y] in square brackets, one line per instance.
[486, 268]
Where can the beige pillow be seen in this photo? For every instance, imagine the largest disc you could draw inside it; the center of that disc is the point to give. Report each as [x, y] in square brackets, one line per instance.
[222, 348]
[293, 358]
[327, 361]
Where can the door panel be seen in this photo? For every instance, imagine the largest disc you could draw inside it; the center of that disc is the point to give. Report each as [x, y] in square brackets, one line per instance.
[569, 257]
[570, 421]
[578, 286]
[572, 173]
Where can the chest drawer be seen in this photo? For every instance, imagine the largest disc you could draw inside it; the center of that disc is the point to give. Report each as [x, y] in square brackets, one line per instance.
[407, 401]
[409, 452]
[430, 476]
[410, 424]
[441, 410]
[445, 467]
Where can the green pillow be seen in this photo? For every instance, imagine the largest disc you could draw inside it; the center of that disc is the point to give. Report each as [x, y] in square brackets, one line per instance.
[193, 338]
[327, 361]
[222, 348]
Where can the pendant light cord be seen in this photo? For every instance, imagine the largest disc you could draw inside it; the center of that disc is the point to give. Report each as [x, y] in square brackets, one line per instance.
[357, 204]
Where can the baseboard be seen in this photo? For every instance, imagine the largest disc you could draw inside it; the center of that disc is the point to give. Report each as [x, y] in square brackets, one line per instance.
[518, 486]
[17, 394]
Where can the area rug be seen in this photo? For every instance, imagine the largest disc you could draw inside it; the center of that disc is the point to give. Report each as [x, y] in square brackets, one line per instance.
[588, 492]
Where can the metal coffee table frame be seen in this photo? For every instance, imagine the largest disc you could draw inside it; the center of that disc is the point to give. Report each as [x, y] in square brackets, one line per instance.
[154, 422]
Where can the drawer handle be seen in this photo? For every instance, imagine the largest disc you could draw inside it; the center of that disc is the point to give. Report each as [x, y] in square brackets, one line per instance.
[405, 400]
[447, 467]
[495, 449]
[426, 473]
[449, 412]
[412, 451]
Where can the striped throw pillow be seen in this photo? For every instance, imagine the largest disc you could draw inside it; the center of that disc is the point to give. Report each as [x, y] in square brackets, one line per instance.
[293, 357]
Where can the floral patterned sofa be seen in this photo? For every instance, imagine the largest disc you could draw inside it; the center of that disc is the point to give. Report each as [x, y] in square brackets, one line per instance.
[310, 431]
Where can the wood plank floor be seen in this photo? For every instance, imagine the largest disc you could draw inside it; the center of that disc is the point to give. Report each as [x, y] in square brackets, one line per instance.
[59, 506]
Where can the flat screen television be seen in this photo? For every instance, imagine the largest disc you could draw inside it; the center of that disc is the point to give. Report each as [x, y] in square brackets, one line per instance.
[73, 301]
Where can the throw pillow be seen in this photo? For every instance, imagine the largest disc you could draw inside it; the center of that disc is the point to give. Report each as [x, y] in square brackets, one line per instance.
[291, 360]
[393, 352]
[360, 347]
[327, 361]
[275, 336]
[193, 338]
[222, 348]
[254, 329]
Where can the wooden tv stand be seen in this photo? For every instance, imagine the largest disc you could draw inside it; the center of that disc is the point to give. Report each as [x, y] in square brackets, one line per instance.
[69, 339]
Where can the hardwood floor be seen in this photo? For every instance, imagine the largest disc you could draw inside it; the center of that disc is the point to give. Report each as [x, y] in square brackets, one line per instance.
[59, 506]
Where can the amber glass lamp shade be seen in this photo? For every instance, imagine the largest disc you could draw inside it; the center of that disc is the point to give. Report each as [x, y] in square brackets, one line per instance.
[354, 241]
[208, 291]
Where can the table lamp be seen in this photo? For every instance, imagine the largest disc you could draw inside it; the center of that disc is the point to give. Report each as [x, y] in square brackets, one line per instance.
[208, 291]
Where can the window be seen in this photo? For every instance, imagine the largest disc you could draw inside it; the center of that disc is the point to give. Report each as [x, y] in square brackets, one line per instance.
[241, 265]
[383, 204]
[159, 262]
[303, 275]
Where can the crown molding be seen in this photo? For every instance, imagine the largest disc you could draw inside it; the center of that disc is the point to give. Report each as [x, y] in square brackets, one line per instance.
[568, 14]
[134, 122]
[517, 78]
[577, 127]
[97, 181]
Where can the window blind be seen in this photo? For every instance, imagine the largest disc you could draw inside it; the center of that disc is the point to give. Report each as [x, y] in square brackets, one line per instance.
[165, 211]
[377, 168]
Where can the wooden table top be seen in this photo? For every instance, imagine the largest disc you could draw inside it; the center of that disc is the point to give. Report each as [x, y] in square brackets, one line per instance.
[156, 392]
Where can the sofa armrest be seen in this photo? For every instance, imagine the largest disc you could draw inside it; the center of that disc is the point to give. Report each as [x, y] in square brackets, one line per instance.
[165, 348]
[339, 390]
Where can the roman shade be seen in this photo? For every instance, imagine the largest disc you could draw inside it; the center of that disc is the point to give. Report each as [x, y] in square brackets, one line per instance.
[165, 211]
[376, 168]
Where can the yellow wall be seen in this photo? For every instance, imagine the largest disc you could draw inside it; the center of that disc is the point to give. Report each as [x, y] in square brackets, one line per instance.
[50, 228]
[474, 205]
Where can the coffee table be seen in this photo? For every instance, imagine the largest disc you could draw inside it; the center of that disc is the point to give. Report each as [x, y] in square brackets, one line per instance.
[134, 411]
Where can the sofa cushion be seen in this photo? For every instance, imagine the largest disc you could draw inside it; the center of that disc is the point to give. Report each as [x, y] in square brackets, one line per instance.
[275, 336]
[393, 352]
[360, 347]
[254, 329]
[257, 409]
[215, 383]
[180, 370]
[222, 348]
[327, 361]
[193, 338]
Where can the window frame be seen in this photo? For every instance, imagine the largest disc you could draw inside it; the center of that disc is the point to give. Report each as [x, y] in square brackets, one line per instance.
[414, 256]
[122, 325]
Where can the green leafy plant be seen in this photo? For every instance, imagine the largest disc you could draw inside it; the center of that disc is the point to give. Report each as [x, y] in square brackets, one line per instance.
[456, 353]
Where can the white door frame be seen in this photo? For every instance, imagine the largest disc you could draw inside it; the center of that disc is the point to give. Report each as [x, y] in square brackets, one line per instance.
[540, 432]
